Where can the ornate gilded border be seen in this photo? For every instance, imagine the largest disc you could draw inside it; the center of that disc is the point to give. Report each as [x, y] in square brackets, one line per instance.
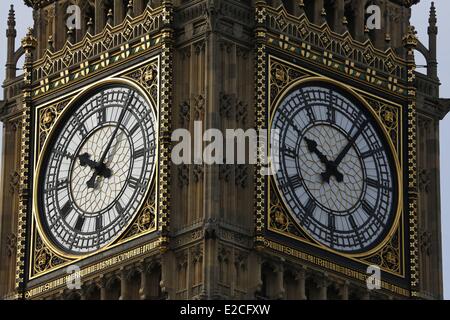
[296, 37]
[147, 75]
[29, 44]
[71, 64]
[94, 268]
[390, 254]
[337, 53]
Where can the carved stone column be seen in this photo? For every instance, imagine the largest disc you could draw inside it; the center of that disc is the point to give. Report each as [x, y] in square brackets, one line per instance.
[123, 284]
[143, 292]
[359, 14]
[365, 295]
[119, 12]
[322, 285]
[102, 285]
[344, 291]
[139, 6]
[301, 278]
[339, 11]
[100, 17]
[318, 7]
[279, 292]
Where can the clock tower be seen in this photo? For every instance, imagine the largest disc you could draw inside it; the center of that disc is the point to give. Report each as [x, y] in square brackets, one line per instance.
[93, 206]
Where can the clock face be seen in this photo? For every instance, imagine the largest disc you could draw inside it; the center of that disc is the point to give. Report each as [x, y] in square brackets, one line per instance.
[96, 169]
[336, 172]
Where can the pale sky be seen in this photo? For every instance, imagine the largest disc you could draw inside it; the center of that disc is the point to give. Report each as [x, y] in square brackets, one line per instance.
[419, 20]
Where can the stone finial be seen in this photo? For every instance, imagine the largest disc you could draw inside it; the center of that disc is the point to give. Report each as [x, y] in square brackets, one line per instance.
[388, 38]
[50, 42]
[130, 8]
[432, 28]
[110, 17]
[301, 5]
[11, 31]
[29, 42]
[71, 35]
[410, 39]
[90, 26]
[366, 32]
[323, 16]
[345, 23]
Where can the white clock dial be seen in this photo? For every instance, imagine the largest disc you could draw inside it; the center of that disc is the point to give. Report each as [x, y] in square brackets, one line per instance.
[337, 173]
[96, 169]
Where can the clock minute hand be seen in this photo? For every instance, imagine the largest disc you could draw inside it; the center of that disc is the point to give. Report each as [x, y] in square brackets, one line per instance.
[119, 122]
[101, 169]
[347, 148]
[330, 170]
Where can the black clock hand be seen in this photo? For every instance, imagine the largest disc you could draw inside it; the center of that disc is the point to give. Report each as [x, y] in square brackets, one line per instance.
[119, 122]
[102, 170]
[328, 172]
[312, 147]
[350, 144]
[329, 165]
[85, 160]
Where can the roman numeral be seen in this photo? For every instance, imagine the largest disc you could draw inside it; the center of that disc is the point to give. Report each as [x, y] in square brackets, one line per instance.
[139, 154]
[291, 123]
[98, 223]
[356, 122]
[371, 153]
[373, 183]
[296, 182]
[135, 183]
[353, 223]
[134, 129]
[58, 151]
[79, 224]
[65, 210]
[310, 112]
[119, 208]
[101, 116]
[81, 128]
[368, 208]
[60, 185]
[331, 222]
[331, 114]
[377, 185]
[371, 211]
[289, 152]
[310, 207]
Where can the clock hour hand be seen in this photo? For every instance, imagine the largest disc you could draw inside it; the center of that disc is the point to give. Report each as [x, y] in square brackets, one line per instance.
[85, 160]
[100, 168]
[329, 165]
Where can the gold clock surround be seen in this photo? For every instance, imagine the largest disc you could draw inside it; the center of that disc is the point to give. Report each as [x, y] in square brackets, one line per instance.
[398, 169]
[137, 78]
[86, 92]
[390, 253]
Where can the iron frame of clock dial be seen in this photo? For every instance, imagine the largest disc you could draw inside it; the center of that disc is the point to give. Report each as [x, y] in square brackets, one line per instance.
[359, 102]
[81, 98]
